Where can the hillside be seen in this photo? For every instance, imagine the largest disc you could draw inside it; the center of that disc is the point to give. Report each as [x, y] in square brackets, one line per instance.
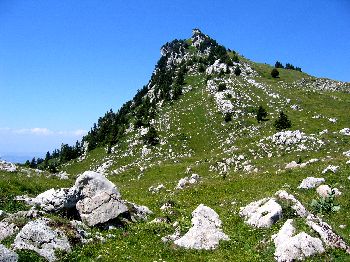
[196, 118]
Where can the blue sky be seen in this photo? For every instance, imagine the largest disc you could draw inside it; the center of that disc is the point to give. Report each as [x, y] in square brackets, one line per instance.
[65, 63]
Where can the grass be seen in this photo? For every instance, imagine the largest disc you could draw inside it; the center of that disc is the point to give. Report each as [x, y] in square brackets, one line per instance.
[196, 127]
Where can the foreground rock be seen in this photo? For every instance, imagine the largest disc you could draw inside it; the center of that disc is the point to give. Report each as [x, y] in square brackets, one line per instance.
[205, 232]
[262, 213]
[7, 166]
[96, 199]
[100, 199]
[7, 255]
[298, 247]
[311, 182]
[39, 237]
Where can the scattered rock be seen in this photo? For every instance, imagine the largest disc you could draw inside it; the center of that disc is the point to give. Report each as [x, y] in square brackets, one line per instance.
[345, 131]
[330, 168]
[205, 232]
[138, 212]
[172, 237]
[39, 237]
[298, 247]
[325, 191]
[262, 213]
[311, 182]
[156, 189]
[292, 165]
[7, 229]
[347, 153]
[7, 255]
[187, 180]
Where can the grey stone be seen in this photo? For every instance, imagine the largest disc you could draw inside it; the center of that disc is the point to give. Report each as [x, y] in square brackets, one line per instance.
[39, 237]
[7, 255]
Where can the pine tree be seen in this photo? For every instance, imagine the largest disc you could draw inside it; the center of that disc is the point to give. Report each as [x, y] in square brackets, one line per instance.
[275, 73]
[261, 114]
[282, 122]
[151, 138]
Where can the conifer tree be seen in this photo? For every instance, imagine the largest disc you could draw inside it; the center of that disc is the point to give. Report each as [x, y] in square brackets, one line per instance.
[282, 122]
[261, 114]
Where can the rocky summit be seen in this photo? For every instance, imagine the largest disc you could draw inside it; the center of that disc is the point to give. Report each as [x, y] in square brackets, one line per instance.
[216, 158]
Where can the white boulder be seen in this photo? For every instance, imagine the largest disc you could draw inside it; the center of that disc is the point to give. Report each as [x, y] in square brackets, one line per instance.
[311, 182]
[7, 166]
[292, 165]
[261, 213]
[205, 232]
[194, 179]
[39, 237]
[298, 247]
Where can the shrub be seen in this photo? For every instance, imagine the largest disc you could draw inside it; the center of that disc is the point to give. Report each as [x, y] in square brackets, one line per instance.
[325, 204]
[282, 122]
[228, 117]
[201, 68]
[261, 114]
[151, 138]
[275, 73]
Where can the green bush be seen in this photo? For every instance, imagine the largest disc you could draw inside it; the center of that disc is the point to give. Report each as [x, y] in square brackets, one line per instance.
[275, 73]
[282, 122]
[325, 204]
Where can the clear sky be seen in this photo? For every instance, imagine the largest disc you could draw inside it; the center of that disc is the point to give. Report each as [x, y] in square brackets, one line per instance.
[65, 63]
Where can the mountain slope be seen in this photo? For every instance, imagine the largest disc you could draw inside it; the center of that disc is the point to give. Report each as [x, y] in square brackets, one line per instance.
[193, 90]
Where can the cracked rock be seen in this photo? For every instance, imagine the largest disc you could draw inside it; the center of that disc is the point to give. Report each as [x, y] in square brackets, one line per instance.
[39, 237]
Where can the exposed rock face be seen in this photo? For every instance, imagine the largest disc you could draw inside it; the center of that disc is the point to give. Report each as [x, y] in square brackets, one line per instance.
[205, 232]
[311, 182]
[100, 199]
[39, 237]
[298, 247]
[7, 229]
[7, 255]
[262, 213]
[54, 200]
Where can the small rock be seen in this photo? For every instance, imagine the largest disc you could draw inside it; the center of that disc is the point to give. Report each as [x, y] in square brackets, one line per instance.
[325, 191]
[311, 182]
[330, 168]
[292, 165]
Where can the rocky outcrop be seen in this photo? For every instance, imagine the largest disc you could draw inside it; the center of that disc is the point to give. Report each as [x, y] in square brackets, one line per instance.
[311, 182]
[183, 182]
[262, 213]
[7, 255]
[205, 232]
[41, 238]
[297, 247]
[7, 166]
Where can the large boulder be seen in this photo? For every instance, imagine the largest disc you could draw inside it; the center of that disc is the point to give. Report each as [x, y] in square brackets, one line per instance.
[326, 191]
[205, 232]
[100, 200]
[297, 247]
[7, 255]
[261, 213]
[40, 237]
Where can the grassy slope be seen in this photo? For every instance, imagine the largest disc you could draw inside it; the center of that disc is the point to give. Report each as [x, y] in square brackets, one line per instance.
[195, 117]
